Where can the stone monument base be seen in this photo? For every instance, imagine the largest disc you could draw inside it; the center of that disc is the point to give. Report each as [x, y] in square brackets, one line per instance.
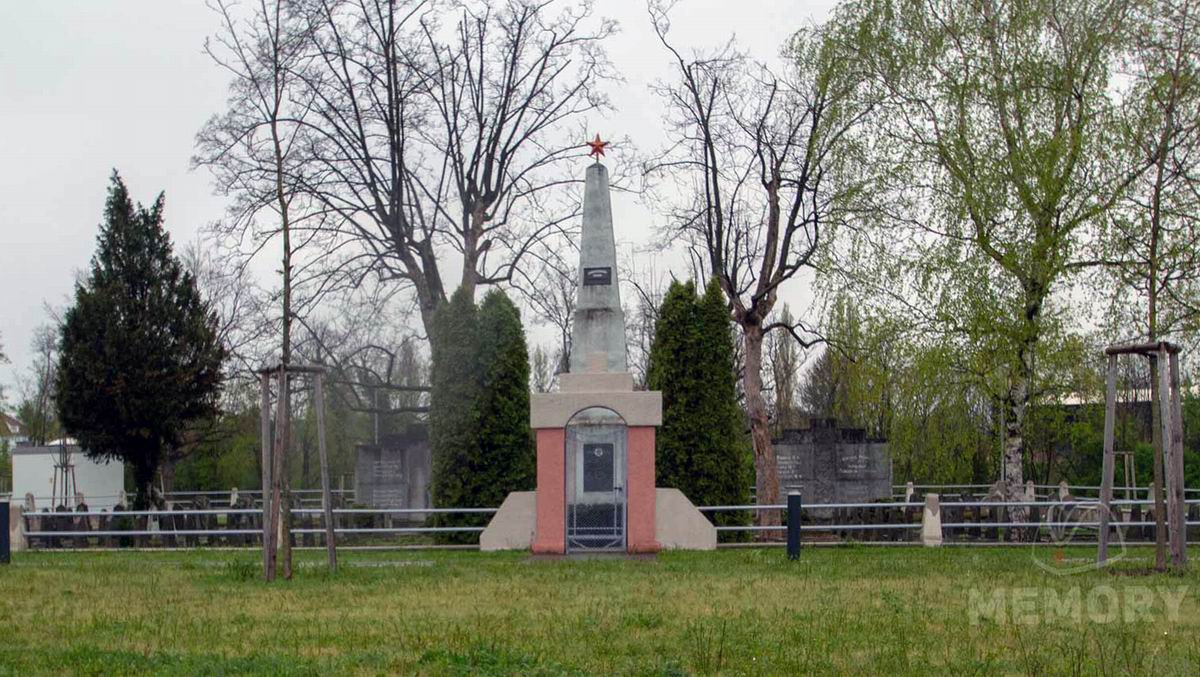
[678, 525]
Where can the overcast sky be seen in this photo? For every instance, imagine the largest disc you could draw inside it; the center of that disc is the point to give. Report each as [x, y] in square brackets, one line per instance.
[88, 86]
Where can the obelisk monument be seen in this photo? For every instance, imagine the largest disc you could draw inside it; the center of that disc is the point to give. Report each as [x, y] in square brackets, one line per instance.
[595, 433]
[598, 332]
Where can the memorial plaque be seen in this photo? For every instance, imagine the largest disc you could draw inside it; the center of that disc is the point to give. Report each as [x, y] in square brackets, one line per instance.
[828, 464]
[598, 467]
[394, 473]
[380, 478]
[597, 276]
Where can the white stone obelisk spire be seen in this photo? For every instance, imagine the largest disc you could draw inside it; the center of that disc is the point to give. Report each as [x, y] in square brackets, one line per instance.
[598, 333]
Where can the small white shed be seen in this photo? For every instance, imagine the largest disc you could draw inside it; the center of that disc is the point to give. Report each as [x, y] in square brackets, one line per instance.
[102, 484]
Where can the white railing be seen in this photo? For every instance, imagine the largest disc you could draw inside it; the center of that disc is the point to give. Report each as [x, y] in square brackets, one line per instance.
[903, 516]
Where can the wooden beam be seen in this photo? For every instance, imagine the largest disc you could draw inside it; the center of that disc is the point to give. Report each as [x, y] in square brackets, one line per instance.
[1175, 488]
[326, 492]
[293, 369]
[1106, 478]
[1164, 389]
[267, 537]
[1141, 348]
[281, 540]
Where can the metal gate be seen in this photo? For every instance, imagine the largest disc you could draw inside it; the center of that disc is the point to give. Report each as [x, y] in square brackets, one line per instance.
[596, 481]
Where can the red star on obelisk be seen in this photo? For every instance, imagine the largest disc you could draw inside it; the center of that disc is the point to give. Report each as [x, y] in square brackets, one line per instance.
[597, 148]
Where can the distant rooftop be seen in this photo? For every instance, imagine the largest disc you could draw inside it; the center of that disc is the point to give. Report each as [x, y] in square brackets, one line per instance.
[11, 427]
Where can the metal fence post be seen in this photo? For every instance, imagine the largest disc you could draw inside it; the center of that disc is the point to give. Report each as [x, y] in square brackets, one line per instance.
[793, 525]
[5, 546]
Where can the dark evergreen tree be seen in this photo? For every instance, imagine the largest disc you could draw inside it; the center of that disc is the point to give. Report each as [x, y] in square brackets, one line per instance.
[454, 407]
[672, 372]
[140, 360]
[506, 456]
[701, 449]
[724, 460]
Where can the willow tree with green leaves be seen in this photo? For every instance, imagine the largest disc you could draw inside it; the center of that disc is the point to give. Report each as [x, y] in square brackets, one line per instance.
[997, 170]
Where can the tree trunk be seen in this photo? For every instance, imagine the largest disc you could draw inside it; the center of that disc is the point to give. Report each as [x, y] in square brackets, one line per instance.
[143, 479]
[1016, 404]
[474, 222]
[167, 473]
[766, 471]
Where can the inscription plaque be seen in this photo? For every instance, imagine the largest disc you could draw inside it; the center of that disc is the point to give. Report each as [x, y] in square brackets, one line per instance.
[598, 467]
[394, 473]
[597, 276]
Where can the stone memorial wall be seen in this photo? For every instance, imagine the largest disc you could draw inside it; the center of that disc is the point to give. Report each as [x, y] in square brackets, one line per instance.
[829, 464]
[394, 473]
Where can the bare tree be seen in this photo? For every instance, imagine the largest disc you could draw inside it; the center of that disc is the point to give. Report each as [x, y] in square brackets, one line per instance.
[541, 370]
[3, 360]
[252, 151]
[756, 155]
[785, 361]
[37, 410]
[550, 293]
[649, 289]
[429, 138]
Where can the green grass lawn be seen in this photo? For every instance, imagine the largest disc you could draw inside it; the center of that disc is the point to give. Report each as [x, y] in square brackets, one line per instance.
[745, 611]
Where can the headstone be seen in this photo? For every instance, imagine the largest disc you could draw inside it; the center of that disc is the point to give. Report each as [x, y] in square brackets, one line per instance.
[394, 473]
[829, 464]
[931, 522]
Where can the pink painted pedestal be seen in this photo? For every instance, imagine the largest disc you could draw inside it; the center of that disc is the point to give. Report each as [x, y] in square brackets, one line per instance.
[550, 535]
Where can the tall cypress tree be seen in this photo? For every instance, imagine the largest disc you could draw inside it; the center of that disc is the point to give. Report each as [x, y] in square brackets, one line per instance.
[700, 448]
[140, 359]
[506, 457]
[453, 408]
[479, 414]
[672, 371]
[724, 466]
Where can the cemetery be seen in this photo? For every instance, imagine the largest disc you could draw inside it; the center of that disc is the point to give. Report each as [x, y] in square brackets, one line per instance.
[557, 337]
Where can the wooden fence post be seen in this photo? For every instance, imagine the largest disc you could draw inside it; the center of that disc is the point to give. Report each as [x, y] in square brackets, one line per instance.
[1106, 477]
[268, 540]
[1175, 489]
[326, 492]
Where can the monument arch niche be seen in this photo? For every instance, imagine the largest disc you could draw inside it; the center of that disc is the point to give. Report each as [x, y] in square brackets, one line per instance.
[596, 452]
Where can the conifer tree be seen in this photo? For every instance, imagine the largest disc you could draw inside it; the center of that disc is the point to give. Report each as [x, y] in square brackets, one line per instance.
[506, 457]
[671, 372]
[701, 449]
[140, 357]
[454, 405]
[725, 460]
[479, 414]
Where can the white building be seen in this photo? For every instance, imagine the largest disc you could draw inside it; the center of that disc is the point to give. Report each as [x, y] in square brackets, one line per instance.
[33, 472]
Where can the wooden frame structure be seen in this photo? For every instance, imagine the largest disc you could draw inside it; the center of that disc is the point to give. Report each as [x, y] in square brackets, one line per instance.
[1171, 420]
[273, 467]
